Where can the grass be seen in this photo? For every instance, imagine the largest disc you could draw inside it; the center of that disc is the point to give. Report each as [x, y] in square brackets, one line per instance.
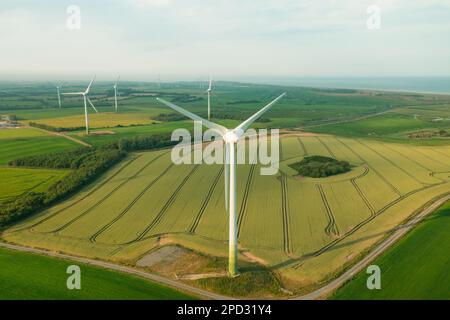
[16, 143]
[281, 218]
[15, 182]
[415, 268]
[393, 126]
[44, 278]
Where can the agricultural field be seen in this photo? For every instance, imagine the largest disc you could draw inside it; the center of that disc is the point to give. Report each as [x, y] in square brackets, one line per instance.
[321, 110]
[40, 277]
[15, 182]
[304, 229]
[98, 120]
[19, 142]
[422, 255]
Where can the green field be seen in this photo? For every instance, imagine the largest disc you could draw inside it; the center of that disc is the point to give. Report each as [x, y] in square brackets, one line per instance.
[15, 182]
[16, 143]
[305, 228]
[415, 268]
[44, 278]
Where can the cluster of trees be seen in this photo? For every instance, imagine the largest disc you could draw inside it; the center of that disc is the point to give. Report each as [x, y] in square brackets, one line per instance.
[166, 117]
[86, 164]
[144, 142]
[429, 134]
[320, 167]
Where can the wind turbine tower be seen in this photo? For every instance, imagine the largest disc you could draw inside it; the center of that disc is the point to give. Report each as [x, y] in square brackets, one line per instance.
[230, 137]
[58, 88]
[115, 92]
[209, 98]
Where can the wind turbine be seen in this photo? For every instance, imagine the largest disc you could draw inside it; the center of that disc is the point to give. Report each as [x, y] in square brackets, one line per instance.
[115, 92]
[231, 137]
[86, 99]
[209, 98]
[58, 88]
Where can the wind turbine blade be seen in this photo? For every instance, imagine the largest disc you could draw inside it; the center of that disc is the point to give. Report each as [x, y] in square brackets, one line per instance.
[211, 125]
[210, 83]
[117, 81]
[92, 105]
[73, 93]
[247, 123]
[89, 86]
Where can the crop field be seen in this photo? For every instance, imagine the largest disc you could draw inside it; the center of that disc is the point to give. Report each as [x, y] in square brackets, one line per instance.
[15, 143]
[15, 182]
[39, 277]
[307, 229]
[98, 120]
[422, 255]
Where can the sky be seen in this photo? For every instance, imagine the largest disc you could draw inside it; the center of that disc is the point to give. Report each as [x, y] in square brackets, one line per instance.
[191, 39]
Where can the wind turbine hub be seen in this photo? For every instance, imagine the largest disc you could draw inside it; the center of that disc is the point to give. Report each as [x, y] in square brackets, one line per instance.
[230, 137]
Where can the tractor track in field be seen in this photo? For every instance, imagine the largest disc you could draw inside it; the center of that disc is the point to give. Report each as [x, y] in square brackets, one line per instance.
[106, 197]
[383, 178]
[331, 228]
[441, 153]
[244, 202]
[375, 251]
[326, 147]
[412, 160]
[302, 145]
[433, 159]
[362, 223]
[36, 185]
[361, 193]
[392, 163]
[94, 237]
[287, 243]
[199, 216]
[164, 209]
[84, 197]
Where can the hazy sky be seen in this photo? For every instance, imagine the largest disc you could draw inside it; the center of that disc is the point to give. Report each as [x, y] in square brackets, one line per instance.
[233, 38]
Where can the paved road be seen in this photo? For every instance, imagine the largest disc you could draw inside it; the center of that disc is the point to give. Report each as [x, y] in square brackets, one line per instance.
[400, 232]
[317, 294]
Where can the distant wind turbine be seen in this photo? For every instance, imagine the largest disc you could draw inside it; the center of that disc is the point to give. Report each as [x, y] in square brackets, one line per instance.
[58, 90]
[115, 92]
[86, 99]
[231, 137]
[209, 98]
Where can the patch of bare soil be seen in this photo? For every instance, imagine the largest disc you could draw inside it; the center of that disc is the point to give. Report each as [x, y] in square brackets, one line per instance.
[164, 255]
[176, 262]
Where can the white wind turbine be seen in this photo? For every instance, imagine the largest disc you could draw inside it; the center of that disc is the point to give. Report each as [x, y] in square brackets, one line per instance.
[86, 99]
[231, 137]
[209, 98]
[115, 92]
[58, 90]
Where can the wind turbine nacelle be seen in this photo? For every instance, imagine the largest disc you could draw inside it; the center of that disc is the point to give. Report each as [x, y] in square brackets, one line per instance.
[230, 137]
